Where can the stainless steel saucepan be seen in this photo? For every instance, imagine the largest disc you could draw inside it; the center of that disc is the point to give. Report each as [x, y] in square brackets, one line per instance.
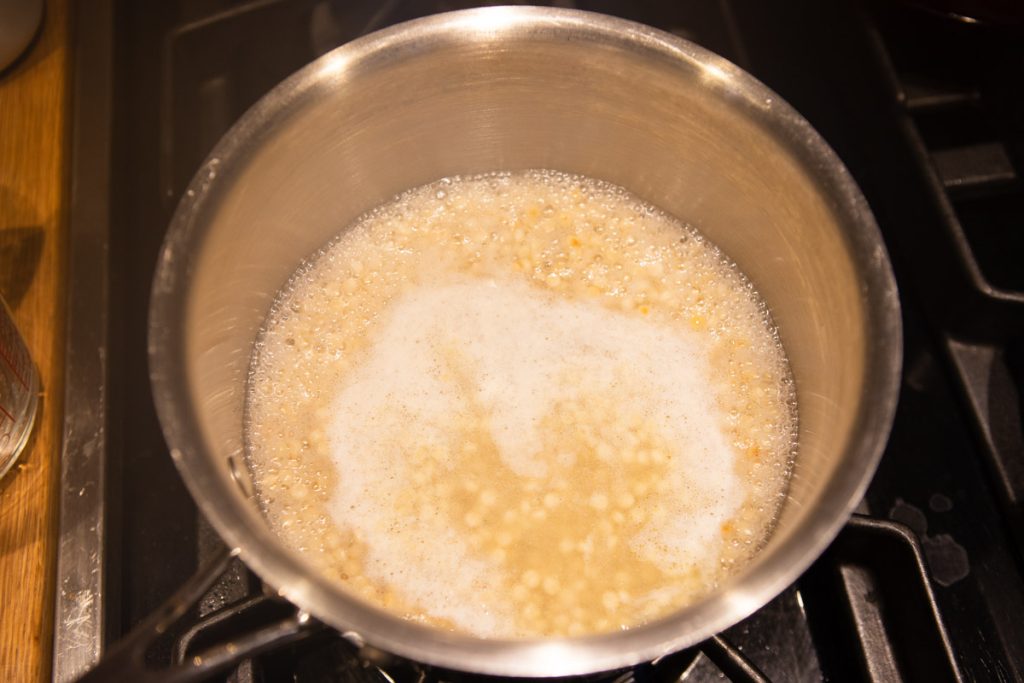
[507, 88]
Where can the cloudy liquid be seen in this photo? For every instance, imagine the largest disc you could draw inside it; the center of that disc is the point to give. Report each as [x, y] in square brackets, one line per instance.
[521, 405]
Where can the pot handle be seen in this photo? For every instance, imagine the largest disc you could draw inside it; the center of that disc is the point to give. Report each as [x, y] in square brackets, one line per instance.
[126, 660]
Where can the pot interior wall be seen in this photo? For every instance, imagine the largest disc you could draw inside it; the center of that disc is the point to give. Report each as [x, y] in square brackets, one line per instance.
[679, 137]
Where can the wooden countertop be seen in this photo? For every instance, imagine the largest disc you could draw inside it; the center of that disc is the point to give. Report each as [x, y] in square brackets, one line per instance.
[34, 118]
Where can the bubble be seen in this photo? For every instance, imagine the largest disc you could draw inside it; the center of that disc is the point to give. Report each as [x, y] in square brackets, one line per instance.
[317, 335]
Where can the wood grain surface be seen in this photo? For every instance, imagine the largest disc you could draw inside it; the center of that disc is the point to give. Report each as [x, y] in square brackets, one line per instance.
[34, 115]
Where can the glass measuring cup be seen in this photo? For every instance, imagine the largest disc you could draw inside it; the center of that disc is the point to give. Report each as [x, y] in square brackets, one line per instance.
[19, 391]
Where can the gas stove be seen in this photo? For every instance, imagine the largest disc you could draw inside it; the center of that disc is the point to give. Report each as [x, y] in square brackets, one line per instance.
[926, 112]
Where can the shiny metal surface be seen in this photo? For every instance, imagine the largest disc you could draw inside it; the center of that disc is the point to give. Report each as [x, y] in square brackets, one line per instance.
[513, 88]
[80, 618]
[126, 660]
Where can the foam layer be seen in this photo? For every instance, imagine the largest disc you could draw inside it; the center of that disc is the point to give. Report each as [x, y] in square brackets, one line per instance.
[508, 355]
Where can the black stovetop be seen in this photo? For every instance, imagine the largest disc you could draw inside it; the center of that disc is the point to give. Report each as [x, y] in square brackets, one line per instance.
[929, 117]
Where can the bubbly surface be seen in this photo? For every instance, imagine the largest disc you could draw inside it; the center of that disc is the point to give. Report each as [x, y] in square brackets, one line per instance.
[521, 405]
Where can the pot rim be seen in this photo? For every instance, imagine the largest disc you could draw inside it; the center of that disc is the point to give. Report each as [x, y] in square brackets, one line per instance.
[296, 581]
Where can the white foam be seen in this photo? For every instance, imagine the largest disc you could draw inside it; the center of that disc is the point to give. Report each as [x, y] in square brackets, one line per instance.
[515, 351]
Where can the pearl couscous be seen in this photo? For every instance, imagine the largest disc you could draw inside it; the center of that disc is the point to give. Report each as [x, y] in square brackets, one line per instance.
[521, 404]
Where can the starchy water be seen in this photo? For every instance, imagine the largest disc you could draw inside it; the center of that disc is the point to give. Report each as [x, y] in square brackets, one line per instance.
[521, 404]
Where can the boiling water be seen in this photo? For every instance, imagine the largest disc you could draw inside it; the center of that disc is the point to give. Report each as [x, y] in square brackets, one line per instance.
[519, 405]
